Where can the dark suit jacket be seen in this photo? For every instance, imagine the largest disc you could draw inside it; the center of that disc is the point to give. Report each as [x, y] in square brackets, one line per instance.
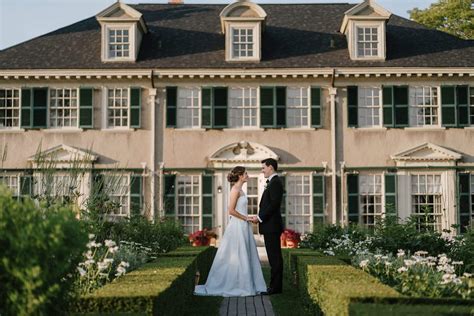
[269, 207]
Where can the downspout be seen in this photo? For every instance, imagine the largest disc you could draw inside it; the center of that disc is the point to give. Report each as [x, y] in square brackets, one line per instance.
[152, 99]
[343, 180]
[332, 96]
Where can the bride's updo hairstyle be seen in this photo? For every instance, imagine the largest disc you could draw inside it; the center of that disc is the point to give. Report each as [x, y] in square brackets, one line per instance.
[235, 173]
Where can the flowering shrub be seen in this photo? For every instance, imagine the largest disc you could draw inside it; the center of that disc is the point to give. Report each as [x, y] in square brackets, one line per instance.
[133, 253]
[291, 235]
[418, 275]
[201, 237]
[96, 270]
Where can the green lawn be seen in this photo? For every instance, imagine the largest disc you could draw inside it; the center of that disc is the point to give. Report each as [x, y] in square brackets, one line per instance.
[288, 303]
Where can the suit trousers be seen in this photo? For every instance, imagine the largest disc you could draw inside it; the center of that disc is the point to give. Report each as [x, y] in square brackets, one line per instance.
[273, 247]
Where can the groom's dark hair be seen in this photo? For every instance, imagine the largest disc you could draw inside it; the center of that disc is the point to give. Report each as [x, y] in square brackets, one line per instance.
[271, 162]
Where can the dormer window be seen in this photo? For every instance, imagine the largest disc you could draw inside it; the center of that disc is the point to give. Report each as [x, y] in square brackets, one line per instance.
[119, 43]
[242, 23]
[122, 31]
[364, 27]
[367, 41]
[243, 42]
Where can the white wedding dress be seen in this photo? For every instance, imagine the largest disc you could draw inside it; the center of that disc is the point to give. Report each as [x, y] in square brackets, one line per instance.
[236, 269]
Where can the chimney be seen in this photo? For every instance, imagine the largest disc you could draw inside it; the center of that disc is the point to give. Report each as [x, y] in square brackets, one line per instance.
[175, 2]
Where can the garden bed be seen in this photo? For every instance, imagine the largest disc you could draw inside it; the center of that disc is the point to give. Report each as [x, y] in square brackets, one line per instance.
[162, 287]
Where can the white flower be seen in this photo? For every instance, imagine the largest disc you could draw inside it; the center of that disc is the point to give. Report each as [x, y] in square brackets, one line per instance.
[421, 253]
[124, 264]
[91, 236]
[364, 263]
[89, 262]
[113, 249]
[408, 263]
[402, 269]
[400, 253]
[110, 243]
[89, 254]
[120, 271]
[457, 263]
[388, 263]
[102, 265]
[467, 275]
[377, 257]
[329, 252]
[82, 272]
[108, 260]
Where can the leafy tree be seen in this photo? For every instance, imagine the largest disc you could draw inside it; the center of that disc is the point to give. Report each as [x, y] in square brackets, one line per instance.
[455, 17]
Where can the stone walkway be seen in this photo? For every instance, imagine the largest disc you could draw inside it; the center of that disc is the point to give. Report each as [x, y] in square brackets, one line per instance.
[251, 305]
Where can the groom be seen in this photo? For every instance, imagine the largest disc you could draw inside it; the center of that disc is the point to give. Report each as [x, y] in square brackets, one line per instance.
[271, 223]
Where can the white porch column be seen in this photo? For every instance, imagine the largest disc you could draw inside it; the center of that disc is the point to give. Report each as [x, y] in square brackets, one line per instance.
[151, 100]
[332, 99]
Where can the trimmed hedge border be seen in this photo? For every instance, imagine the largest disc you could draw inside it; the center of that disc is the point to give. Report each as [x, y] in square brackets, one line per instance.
[329, 286]
[162, 287]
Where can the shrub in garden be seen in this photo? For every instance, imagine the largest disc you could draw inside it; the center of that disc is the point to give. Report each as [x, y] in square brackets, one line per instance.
[40, 249]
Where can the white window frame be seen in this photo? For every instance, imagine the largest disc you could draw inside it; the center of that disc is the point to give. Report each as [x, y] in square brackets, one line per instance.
[353, 43]
[377, 215]
[310, 205]
[106, 107]
[242, 107]
[257, 196]
[368, 107]
[16, 192]
[300, 107]
[105, 41]
[412, 97]
[49, 112]
[255, 26]
[126, 176]
[5, 108]
[440, 215]
[199, 195]
[198, 90]
[40, 178]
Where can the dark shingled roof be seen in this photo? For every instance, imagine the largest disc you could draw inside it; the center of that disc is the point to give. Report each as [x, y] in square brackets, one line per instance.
[188, 36]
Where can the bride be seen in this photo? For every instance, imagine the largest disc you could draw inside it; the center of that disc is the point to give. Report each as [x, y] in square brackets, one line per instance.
[236, 269]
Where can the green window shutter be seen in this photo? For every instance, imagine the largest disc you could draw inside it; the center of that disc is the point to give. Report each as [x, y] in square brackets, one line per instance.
[135, 107]
[280, 106]
[448, 106]
[86, 108]
[207, 201]
[464, 202]
[353, 198]
[283, 200]
[206, 104]
[400, 102]
[26, 186]
[136, 194]
[462, 93]
[40, 107]
[267, 108]
[316, 107]
[318, 199]
[388, 106]
[171, 106]
[220, 107]
[391, 194]
[26, 108]
[169, 195]
[352, 102]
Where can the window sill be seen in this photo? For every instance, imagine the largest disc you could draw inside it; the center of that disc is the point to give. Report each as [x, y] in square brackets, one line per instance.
[118, 130]
[303, 129]
[62, 130]
[469, 128]
[11, 130]
[190, 129]
[370, 129]
[425, 129]
[243, 129]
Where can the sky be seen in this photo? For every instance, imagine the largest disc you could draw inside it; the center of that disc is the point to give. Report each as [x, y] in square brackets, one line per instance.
[21, 20]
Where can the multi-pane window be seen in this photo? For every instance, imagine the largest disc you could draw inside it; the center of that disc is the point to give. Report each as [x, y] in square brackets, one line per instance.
[188, 108]
[472, 202]
[367, 42]
[297, 106]
[243, 107]
[11, 182]
[63, 108]
[117, 188]
[426, 193]
[298, 198]
[424, 108]
[370, 207]
[60, 186]
[252, 196]
[119, 43]
[471, 102]
[188, 202]
[117, 107]
[9, 108]
[243, 42]
[369, 107]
